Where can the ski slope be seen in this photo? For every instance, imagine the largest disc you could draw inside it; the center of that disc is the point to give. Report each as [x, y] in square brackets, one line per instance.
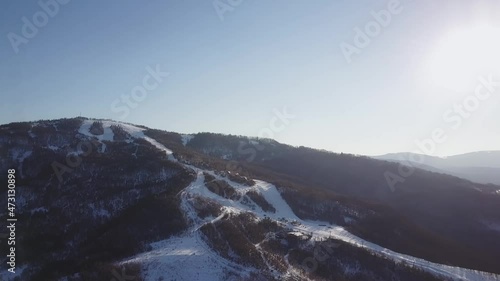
[190, 250]
[108, 135]
[185, 257]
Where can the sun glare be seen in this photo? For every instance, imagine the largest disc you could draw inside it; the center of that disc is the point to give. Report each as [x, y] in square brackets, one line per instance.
[463, 55]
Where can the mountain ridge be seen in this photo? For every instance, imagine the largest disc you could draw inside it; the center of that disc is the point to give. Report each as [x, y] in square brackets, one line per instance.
[149, 169]
[482, 166]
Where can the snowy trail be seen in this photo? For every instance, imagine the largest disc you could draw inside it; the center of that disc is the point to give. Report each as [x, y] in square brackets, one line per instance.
[197, 255]
[194, 252]
[456, 273]
[273, 196]
[185, 257]
[283, 210]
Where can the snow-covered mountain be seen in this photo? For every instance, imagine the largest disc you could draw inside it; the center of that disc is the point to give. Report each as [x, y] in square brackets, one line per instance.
[103, 200]
[482, 167]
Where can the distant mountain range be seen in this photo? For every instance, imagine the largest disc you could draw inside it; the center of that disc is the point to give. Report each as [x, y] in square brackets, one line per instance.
[481, 167]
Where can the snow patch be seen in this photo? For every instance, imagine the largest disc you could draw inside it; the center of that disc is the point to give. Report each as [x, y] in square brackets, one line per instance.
[20, 156]
[183, 258]
[492, 225]
[106, 125]
[348, 220]
[40, 209]
[98, 212]
[6, 275]
[53, 148]
[134, 131]
[186, 139]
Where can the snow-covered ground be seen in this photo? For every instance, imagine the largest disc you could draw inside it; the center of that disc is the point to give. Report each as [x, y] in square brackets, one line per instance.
[186, 138]
[108, 135]
[106, 125]
[182, 258]
[186, 257]
[21, 159]
[6, 275]
[199, 258]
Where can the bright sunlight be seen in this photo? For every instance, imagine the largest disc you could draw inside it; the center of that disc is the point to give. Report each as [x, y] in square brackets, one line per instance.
[463, 55]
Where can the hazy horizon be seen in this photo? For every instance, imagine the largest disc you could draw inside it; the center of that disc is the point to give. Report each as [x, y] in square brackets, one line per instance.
[320, 148]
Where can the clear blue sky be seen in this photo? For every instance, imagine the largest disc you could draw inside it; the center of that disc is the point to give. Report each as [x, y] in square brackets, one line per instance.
[229, 75]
